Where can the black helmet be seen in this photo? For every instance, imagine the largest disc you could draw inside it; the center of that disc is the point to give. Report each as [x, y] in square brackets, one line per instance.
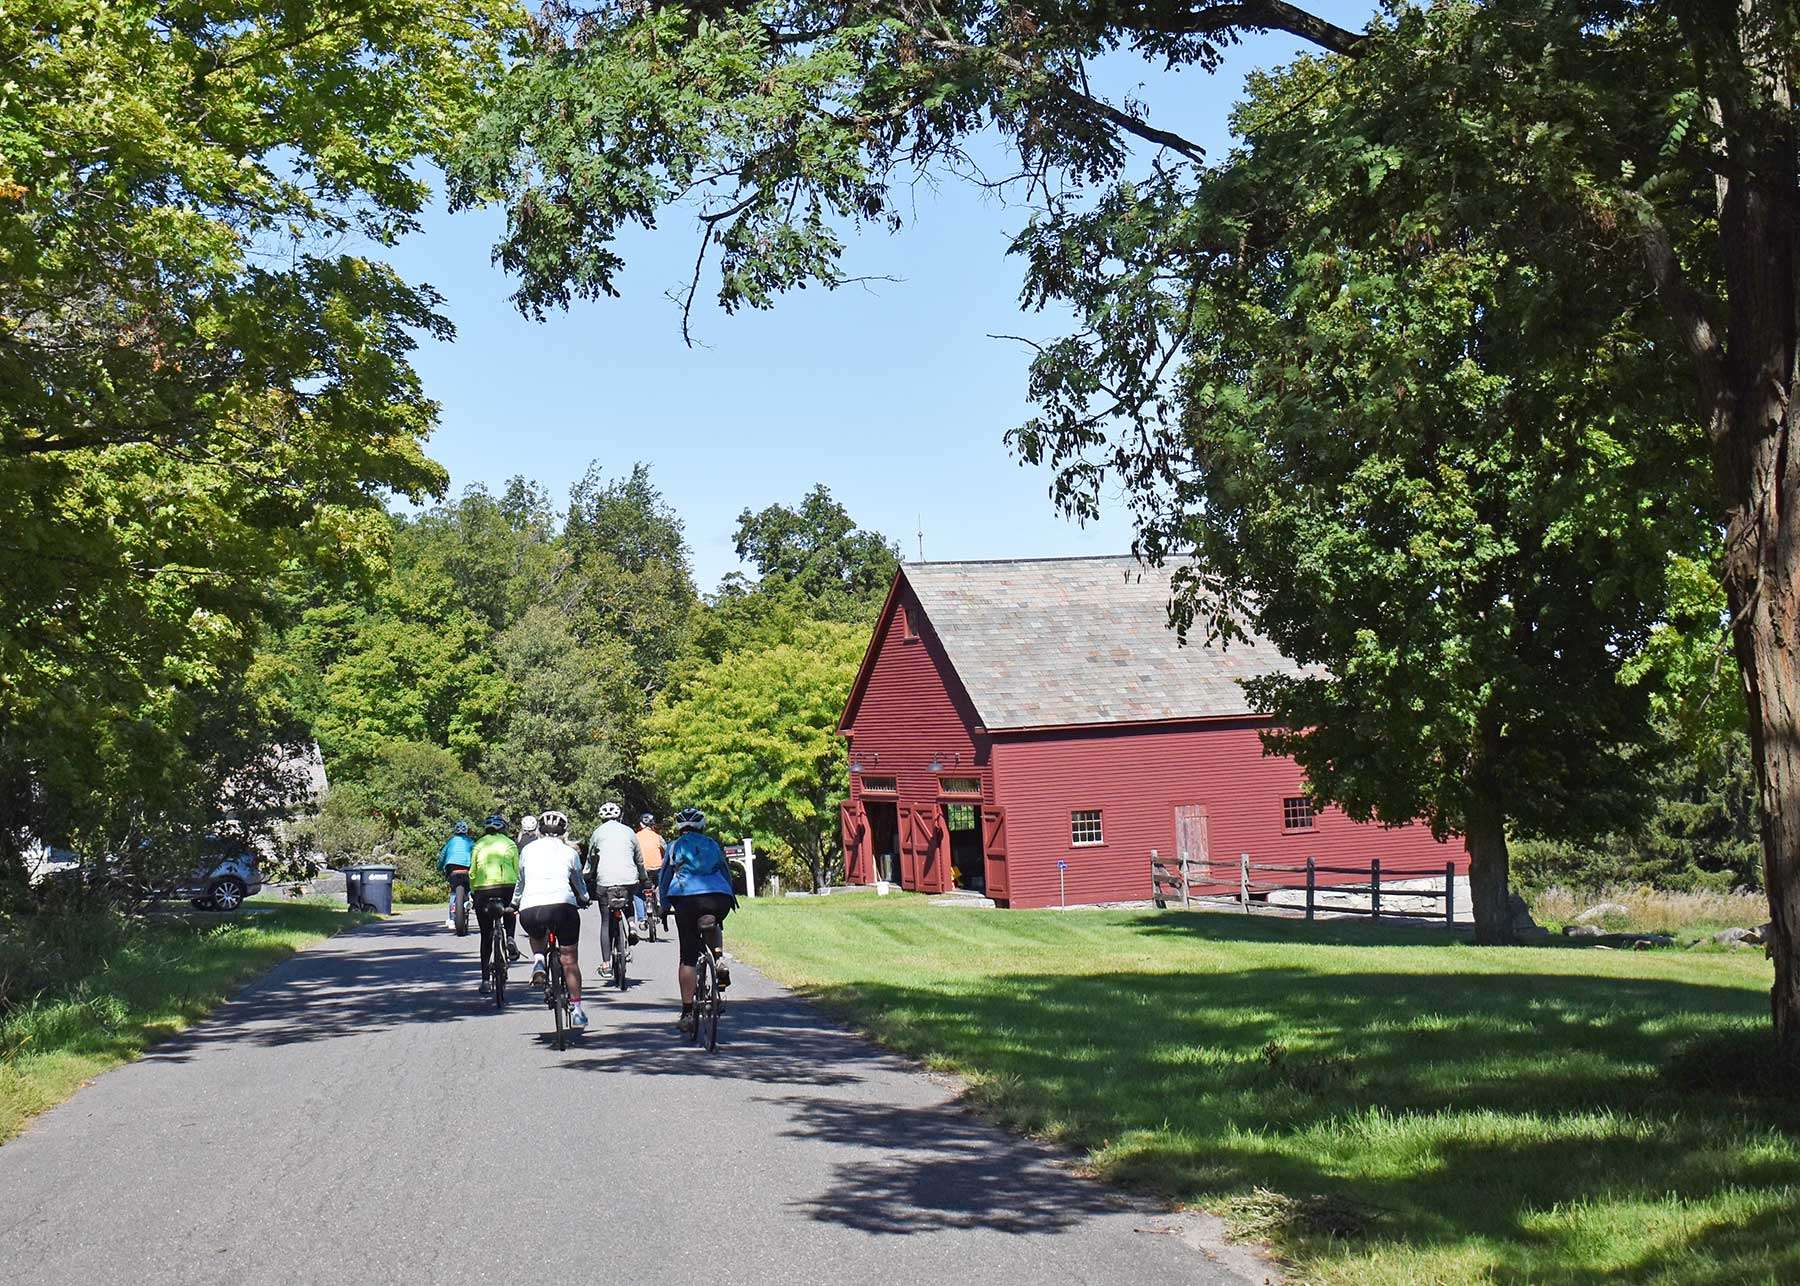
[495, 822]
[690, 819]
[646, 819]
[461, 828]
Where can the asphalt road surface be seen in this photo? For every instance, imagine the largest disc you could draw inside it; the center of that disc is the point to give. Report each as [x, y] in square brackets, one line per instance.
[359, 1115]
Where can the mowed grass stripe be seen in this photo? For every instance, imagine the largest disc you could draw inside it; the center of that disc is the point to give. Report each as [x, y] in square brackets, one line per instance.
[1384, 1104]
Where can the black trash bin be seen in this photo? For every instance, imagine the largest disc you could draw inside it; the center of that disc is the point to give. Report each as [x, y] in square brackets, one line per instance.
[378, 889]
[353, 886]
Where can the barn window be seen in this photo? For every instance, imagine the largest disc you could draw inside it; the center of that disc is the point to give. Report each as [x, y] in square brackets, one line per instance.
[908, 631]
[1296, 813]
[1084, 827]
[880, 785]
[960, 785]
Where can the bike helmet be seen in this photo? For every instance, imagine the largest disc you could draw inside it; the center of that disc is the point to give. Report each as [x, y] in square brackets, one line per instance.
[646, 819]
[528, 823]
[609, 812]
[495, 822]
[461, 828]
[553, 823]
[690, 819]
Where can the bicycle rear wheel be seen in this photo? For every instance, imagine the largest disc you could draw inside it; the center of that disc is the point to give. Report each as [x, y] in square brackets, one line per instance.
[706, 1001]
[497, 945]
[619, 938]
[460, 913]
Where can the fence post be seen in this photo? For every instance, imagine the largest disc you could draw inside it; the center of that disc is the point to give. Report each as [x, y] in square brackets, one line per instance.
[1244, 882]
[1156, 890]
[1375, 888]
[1184, 881]
[1449, 892]
[1312, 883]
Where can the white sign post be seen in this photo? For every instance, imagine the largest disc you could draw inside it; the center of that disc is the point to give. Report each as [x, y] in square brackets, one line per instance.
[744, 855]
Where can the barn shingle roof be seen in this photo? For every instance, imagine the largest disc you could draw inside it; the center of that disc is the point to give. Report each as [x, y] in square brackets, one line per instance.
[1058, 641]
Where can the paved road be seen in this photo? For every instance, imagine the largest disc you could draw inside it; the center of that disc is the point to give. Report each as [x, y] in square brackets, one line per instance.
[359, 1116]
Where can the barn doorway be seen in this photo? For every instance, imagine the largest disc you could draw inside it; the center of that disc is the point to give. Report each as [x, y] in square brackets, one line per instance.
[962, 822]
[884, 837]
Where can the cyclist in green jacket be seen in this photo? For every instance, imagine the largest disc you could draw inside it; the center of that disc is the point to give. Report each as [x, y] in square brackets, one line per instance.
[492, 874]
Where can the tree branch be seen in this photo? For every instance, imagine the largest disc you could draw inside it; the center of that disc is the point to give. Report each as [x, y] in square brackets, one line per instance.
[1265, 15]
[1684, 307]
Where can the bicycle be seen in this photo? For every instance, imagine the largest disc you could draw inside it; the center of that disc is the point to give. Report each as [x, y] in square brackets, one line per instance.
[459, 899]
[709, 994]
[652, 913]
[617, 911]
[495, 953]
[556, 988]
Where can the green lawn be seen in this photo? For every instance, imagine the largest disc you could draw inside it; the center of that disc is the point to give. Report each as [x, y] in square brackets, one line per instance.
[115, 988]
[1383, 1104]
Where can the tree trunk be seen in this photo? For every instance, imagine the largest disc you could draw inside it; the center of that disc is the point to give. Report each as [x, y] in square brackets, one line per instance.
[1756, 456]
[1489, 891]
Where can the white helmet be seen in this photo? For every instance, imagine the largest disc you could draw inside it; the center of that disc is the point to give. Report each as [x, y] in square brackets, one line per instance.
[528, 823]
[553, 823]
[609, 812]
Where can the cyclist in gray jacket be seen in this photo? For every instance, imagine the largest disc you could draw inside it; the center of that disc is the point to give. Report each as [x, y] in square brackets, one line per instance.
[615, 862]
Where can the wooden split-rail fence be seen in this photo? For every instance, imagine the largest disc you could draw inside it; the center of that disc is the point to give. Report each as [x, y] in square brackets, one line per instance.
[1184, 881]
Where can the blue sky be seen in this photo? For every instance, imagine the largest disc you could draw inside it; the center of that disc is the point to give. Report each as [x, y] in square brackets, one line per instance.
[892, 395]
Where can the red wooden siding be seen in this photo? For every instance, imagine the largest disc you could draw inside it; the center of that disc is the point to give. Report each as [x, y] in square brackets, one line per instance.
[909, 708]
[1137, 778]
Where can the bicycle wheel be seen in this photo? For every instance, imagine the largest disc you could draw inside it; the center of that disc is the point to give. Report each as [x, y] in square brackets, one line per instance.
[706, 995]
[559, 1001]
[461, 912]
[618, 950]
[498, 946]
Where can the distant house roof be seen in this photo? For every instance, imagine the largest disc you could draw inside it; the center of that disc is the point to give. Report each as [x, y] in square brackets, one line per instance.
[1053, 642]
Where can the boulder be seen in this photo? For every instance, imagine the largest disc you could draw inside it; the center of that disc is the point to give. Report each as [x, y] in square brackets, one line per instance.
[1738, 938]
[1523, 925]
[1601, 911]
[1583, 931]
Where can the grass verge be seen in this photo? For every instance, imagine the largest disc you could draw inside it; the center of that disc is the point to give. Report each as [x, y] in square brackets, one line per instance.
[1382, 1104]
[117, 988]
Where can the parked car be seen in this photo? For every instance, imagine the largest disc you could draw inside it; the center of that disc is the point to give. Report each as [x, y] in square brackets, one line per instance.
[222, 882]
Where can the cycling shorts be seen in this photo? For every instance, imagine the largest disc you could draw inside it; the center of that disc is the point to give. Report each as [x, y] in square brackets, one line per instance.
[688, 911]
[560, 918]
[458, 876]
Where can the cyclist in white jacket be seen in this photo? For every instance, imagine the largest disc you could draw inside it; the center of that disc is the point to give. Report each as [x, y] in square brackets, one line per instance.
[614, 862]
[550, 894]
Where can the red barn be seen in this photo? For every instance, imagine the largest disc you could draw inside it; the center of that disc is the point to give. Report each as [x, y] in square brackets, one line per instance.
[1010, 716]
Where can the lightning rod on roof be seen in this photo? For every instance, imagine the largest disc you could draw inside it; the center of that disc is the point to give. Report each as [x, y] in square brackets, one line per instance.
[921, 537]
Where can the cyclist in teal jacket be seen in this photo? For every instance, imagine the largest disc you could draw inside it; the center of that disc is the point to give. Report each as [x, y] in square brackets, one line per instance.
[694, 881]
[454, 860]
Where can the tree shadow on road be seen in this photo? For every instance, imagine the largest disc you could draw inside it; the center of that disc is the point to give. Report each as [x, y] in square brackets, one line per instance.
[935, 1168]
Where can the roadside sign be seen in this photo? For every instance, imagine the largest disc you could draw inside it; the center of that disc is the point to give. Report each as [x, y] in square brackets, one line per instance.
[734, 852]
[1061, 864]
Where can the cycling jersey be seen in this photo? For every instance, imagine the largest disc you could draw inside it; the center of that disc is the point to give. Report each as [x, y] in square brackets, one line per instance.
[613, 855]
[496, 862]
[650, 844]
[457, 851]
[694, 863]
[549, 873]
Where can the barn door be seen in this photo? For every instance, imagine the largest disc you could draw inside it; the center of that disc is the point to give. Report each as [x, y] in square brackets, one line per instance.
[909, 851]
[932, 872]
[1192, 851]
[854, 825]
[993, 847]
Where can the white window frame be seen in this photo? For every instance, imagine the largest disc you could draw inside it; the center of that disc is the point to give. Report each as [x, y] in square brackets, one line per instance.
[1077, 817]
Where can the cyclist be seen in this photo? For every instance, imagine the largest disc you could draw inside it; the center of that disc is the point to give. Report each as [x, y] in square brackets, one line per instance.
[550, 894]
[492, 876]
[650, 846]
[453, 861]
[695, 881]
[528, 830]
[614, 862]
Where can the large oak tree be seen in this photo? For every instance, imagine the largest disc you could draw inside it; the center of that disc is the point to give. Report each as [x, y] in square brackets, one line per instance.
[1673, 123]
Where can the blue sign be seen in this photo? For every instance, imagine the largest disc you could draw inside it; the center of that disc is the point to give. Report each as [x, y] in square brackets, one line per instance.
[1061, 865]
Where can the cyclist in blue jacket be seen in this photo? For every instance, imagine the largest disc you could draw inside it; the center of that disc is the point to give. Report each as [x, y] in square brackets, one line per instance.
[454, 860]
[694, 881]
